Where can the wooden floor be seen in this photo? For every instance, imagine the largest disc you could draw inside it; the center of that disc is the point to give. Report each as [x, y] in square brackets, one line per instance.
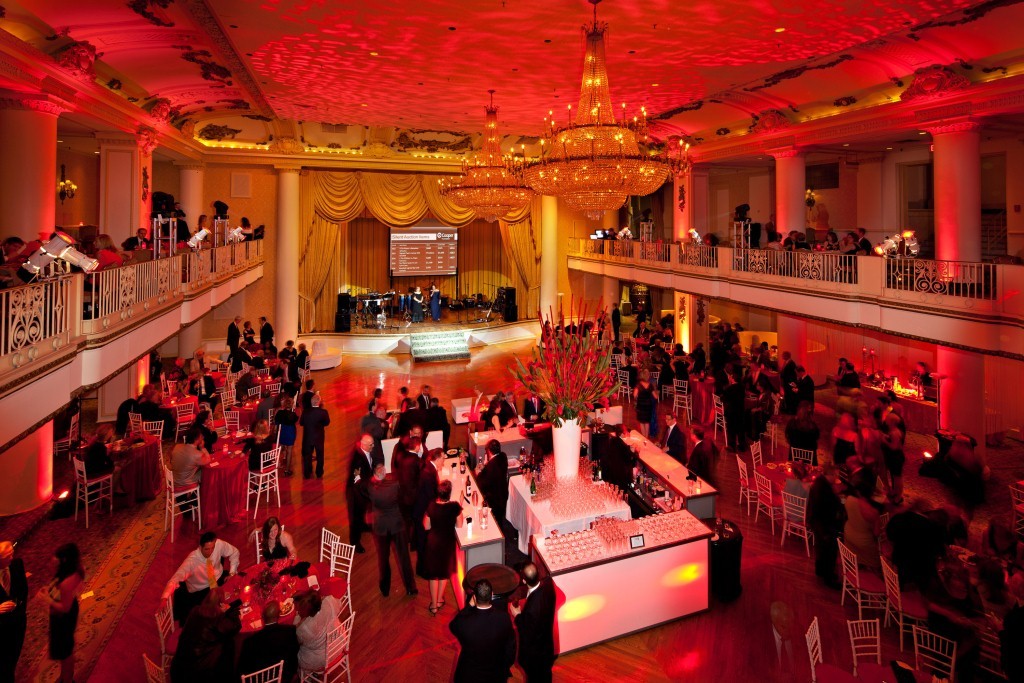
[396, 639]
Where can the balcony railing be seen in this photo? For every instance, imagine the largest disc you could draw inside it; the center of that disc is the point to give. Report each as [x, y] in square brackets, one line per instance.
[947, 278]
[40, 318]
[820, 266]
[698, 256]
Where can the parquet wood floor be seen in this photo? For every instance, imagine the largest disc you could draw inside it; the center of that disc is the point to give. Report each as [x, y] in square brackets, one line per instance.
[396, 639]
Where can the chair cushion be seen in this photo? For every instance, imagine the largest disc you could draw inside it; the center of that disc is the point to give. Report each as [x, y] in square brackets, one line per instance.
[827, 673]
[871, 583]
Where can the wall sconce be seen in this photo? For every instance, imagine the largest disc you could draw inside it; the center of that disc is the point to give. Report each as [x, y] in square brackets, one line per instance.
[65, 188]
[809, 198]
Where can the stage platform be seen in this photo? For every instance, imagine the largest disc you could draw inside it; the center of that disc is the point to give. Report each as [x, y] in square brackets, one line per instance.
[399, 342]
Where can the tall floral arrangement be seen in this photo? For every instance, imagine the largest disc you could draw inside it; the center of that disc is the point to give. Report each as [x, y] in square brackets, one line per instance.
[568, 371]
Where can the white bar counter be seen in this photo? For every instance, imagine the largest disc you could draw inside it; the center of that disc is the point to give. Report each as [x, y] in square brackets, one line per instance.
[701, 501]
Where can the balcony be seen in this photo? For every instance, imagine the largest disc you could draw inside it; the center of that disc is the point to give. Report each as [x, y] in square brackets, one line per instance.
[47, 325]
[974, 305]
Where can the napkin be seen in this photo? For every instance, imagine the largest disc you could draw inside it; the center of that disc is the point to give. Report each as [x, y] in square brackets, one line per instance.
[257, 623]
[215, 463]
[313, 582]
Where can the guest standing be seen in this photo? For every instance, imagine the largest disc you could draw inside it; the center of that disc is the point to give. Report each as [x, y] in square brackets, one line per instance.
[266, 332]
[493, 480]
[286, 419]
[388, 528]
[426, 493]
[734, 406]
[417, 305]
[825, 518]
[360, 469]
[675, 440]
[13, 603]
[863, 524]
[61, 595]
[535, 621]
[206, 646]
[702, 457]
[616, 321]
[646, 396]
[437, 561]
[314, 426]
[435, 303]
[234, 333]
[486, 639]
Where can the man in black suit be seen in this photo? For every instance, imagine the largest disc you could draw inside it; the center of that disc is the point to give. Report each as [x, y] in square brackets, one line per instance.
[271, 644]
[360, 471]
[675, 440]
[506, 411]
[300, 359]
[307, 396]
[388, 527]
[426, 492]
[375, 424]
[423, 400]
[234, 333]
[240, 355]
[617, 459]
[493, 480]
[437, 420]
[616, 321]
[202, 386]
[13, 602]
[702, 457]
[787, 376]
[486, 637]
[314, 424]
[411, 419]
[533, 409]
[804, 386]
[535, 621]
[734, 405]
[407, 462]
[266, 332]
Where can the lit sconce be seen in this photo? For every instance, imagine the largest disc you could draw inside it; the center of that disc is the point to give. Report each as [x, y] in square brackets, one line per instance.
[65, 188]
[809, 198]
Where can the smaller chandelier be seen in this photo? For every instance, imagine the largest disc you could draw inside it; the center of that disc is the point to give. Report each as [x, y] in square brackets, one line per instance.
[680, 164]
[491, 184]
[65, 188]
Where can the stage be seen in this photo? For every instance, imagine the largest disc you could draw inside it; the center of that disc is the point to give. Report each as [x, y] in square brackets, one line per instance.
[390, 341]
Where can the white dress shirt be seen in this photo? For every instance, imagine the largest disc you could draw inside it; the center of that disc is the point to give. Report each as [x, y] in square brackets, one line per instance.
[193, 570]
[312, 634]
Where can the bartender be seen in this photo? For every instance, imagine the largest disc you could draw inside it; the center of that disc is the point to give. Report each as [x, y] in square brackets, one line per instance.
[617, 460]
[923, 374]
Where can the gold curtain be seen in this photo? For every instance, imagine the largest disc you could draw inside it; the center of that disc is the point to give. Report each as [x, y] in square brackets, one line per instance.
[522, 245]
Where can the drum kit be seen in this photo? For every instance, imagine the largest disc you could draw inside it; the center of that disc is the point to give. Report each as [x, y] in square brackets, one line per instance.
[372, 309]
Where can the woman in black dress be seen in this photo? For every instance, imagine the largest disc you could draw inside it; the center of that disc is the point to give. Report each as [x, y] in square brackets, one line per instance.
[417, 305]
[276, 543]
[258, 444]
[62, 595]
[646, 397]
[97, 458]
[437, 561]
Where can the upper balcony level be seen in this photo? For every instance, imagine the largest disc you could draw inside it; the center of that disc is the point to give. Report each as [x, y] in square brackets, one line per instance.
[977, 306]
[61, 335]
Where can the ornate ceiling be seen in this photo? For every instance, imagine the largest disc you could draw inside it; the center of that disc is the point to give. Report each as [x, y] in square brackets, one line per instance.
[703, 68]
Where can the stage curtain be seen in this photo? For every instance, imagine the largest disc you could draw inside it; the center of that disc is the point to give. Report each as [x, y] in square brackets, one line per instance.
[441, 208]
[336, 197]
[394, 199]
[521, 240]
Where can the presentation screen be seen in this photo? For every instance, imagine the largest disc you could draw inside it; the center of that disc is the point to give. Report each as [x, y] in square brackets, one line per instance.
[424, 251]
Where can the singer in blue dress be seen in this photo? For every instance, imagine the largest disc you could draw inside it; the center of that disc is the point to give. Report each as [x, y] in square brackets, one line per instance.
[435, 303]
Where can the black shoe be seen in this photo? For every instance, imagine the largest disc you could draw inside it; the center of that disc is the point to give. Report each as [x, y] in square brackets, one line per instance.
[385, 591]
[412, 592]
[360, 549]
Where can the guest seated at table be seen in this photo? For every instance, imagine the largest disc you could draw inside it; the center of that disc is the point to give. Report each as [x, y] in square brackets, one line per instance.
[289, 349]
[285, 419]
[97, 460]
[863, 525]
[283, 368]
[188, 459]
[258, 361]
[240, 356]
[437, 561]
[243, 384]
[493, 480]
[202, 423]
[202, 570]
[206, 646]
[271, 644]
[319, 616]
[204, 389]
[999, 541]
[275, 542]
[150, 406]
[107, 253]
[176, 374]
[803, 432]
[258, 444]
[632, 372]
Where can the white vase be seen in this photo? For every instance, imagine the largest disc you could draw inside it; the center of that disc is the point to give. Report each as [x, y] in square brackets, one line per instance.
[566, 441]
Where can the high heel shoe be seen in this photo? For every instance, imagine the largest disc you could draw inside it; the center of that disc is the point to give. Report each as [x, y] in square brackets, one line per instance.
[433, 610]
[440, 605]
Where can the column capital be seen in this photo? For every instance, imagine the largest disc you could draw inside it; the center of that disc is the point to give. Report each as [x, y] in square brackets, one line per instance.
[283, 169]
[40, 102]
[954, 126]
[785, 153]
[190, 166]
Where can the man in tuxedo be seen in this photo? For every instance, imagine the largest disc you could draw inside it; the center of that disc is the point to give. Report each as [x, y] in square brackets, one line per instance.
[616, 321]
[702, 456]
[314, 425]
[375, 424]
[734, 405]
[204, 388]
[535, 621]
[271, 644]
[389, 527]
[617, 460]
[787, 375]
[140, 241]
[486, 637]
[423, 400]
[506, 411]
[426, 492]
[411, 419]
[13, 602]
[360, 470]
[675, 440]
[437, 420]
[244, 384]
[804, 386]
[266, 332]
[493, 479]
[407, 462]
[307, 396]
[509, 409]
[234, 333]
[533, 408]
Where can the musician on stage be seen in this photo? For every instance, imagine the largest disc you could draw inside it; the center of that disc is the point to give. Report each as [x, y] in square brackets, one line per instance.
[417, 305]
[435, 303]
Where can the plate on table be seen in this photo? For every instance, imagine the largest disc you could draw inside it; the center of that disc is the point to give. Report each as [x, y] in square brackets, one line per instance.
[771, 466]
[287, 607]
[452, 451]
[240, 433]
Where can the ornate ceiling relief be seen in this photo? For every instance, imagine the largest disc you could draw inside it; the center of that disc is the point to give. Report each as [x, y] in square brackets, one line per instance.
[144, 8]
[161, 110]
[285, 145]
[146, 139]
[79, 60]
[433, 141]
[932, 82]
[789, 74]
[213, 131]
[769, 121]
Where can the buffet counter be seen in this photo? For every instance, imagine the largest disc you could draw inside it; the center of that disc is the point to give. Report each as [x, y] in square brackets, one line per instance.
[624, 576]
[698, 497]
[919, 415]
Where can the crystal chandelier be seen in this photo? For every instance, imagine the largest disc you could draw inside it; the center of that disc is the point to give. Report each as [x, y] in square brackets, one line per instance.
[492, 184]
[596, 162]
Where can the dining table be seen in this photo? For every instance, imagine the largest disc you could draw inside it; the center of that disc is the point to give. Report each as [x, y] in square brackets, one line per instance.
[224, 483]
[172, 402]
[139, 460]
[260, 583]
[778, 472]
[246, 412]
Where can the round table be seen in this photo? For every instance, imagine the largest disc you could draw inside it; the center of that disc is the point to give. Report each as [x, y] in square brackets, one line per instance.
[504, 580]
[224, 483]
[141, 466]
[281, 588]
[246, 413]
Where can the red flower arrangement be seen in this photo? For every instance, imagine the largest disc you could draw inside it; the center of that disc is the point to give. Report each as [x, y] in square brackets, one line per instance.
[569, 371]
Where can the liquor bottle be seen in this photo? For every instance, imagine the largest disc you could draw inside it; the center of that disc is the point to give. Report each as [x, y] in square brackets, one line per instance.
[462, 465]
[533, 485]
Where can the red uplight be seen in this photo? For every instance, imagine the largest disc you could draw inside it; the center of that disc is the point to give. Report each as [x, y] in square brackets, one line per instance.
[581, 607]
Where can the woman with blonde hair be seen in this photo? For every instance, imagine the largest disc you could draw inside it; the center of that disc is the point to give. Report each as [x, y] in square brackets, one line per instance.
[258, 444]
[107, 253]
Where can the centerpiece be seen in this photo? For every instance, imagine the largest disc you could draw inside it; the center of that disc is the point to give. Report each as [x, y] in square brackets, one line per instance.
[572, 375]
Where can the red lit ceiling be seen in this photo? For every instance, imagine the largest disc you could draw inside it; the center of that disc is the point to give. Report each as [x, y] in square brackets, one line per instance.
[428, 64]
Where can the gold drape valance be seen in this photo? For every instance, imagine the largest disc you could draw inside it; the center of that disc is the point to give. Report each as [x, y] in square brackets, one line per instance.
[394, 199]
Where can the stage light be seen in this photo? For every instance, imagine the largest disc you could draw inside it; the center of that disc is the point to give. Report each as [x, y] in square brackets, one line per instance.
[63, 494]
[581, 608]
[60, 246]
[928, 456]
[235, 235]
[696, 237]
[198, 238]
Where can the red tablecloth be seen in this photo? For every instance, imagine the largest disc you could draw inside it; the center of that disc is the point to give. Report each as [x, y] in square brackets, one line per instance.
[223, 485]
[246, 413]
[284, 588]
[218, 379]
[702, 394]
[172, 403]
[778, 472]
[141, 467]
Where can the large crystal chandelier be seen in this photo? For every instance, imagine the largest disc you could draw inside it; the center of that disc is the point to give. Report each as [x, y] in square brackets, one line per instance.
[596, 161]
[491, 184]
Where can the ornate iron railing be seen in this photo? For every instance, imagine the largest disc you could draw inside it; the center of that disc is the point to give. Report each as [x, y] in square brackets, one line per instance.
[821, 266]
[698, 256]
[35, 314]
[118, 289]
[947, 278]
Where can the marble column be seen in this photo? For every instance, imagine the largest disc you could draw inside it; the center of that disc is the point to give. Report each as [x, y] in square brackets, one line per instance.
[28, 173]
[961, 391]
[790, 190]
[191, 177]
[26, 476]
[957, 190]
[549, 257]
[286, 260]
